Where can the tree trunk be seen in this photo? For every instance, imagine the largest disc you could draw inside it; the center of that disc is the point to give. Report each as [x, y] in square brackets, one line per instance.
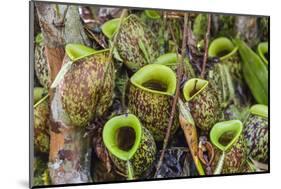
[70, 152]
[247, 29]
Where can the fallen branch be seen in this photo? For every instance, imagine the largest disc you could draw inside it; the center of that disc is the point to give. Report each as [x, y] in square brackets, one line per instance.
[206, 46]
[175, 100]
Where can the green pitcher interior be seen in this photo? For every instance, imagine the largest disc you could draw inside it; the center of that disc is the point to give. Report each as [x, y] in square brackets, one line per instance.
[79, 51]
[122, 136]
[109, 27]
[222, 47]
[155, 78]
[224, 134]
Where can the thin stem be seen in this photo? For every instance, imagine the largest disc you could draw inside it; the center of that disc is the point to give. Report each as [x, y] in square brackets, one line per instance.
[175, 100]
[206, 46]
[123, 14]
[174, 39]
[40, 101]
[130, 171]
[219, 166]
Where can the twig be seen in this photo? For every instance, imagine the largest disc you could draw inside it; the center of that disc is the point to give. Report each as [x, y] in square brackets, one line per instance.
[206, 46]
[123, 14]
[40, 101]
[175, 100]
[176, 44]
[174, 39]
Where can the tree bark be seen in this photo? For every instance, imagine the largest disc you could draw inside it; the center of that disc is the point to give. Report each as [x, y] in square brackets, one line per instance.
[70, 152]
[247, 29]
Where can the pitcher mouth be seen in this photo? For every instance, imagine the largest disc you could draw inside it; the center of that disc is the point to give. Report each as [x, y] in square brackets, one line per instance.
[260, 110]
[222, 47]
[193, 87]
[224, 134]
[122, 136]
[155, 78]
[78, 51]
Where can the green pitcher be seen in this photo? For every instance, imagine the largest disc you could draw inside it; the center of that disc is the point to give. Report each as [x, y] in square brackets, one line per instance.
[225, 75]
[136, 45]
[172, 60]
[230, 147]
[203, 102]
[86, 88]
[256, 133]
[130, 145]
[150, 97]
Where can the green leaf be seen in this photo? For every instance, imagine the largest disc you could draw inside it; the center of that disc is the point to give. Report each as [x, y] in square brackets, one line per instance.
[152, 14]
[115, 52]
[262, 50]
[144, 51]
[254, 72]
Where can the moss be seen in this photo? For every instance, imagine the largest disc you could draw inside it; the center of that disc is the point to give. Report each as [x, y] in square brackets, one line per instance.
[263, 28]
[200, 26]
[222, 25]
[41, 173]
[226, 26]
